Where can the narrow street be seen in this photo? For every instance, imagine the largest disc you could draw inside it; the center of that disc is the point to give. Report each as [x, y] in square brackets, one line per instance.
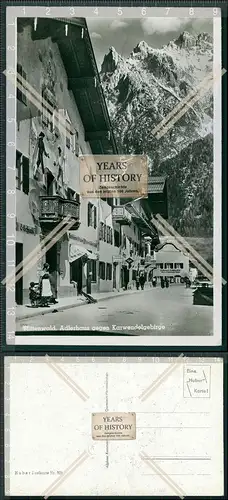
[160, 311]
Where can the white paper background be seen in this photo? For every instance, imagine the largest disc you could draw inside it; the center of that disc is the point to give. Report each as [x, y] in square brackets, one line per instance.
[50, 426]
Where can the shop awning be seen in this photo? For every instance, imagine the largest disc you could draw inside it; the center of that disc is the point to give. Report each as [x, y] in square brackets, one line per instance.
[77, 251]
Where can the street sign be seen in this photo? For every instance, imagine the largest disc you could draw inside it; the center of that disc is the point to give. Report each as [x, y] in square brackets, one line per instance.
[117, 258]
[129, 260]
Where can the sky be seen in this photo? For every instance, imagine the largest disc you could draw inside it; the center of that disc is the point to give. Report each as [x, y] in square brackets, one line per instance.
[126, 33]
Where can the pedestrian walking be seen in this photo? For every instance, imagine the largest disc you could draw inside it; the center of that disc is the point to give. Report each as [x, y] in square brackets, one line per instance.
[154, 282]
[166, 282]
[142, 280]
[137, 281]
[187, 282]
[162, 282]
[45, 286]
[54, 287]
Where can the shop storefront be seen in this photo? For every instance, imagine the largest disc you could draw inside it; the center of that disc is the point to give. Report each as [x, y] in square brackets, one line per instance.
[81, 262]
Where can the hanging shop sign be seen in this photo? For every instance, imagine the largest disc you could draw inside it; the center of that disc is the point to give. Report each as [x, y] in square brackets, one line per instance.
[117, 259]
[83, 240]
[26, 229]
[76, 252]
[172, 271]
[129, 260]
[121, 215]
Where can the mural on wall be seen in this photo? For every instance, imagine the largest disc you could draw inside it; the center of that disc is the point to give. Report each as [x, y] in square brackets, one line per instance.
[60, 172]
[41, 152]
[49, 72]
[34, 203]
[47, 142]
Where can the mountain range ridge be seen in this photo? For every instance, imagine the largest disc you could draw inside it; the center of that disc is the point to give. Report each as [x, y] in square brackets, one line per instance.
[140, 91]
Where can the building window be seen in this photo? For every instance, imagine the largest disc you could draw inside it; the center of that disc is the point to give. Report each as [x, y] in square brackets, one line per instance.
[179, 265]
[102, 270]
[94, 270]
[92, 215]
[70, 194]
[168, 266]
[105, 233]
[90, 206]
[116, 238]
[76, 143]
[71, 136]
[101, 232]
[21, 79]
[19, 170]
[108, 271]
[22, 173]
[48, 109]
[50, 184]
[109, 235]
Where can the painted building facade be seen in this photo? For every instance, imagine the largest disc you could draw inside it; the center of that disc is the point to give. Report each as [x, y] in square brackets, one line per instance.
[171, 263]
[52, 133]
[62, 115]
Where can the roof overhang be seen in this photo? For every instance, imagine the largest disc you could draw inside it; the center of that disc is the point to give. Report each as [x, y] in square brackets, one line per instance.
[83, 77]
[157, 200]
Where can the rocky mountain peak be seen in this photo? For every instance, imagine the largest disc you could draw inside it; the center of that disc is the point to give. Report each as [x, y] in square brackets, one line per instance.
[110, 61]
[205, 37]
[142, 47]
[140, 92]
[185, 40]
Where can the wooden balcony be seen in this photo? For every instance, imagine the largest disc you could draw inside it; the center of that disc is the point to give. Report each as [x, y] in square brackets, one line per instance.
[121, 216]
[53, 209]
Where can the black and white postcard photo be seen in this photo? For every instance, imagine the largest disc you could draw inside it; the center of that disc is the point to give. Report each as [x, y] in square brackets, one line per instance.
[114, 176]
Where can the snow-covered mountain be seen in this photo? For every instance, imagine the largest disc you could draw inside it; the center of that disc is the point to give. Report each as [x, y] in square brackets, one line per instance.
[141, 91]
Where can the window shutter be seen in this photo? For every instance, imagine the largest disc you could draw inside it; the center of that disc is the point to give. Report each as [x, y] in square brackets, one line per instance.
[95, 217]
[101, 231]
[76, 145]
[24, 95]
[77, 198]
[19, 92]
[89, 214]
[25, 163]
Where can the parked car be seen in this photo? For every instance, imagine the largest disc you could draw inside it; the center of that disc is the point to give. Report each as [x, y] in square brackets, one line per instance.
[203, 292]
[202, 282]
